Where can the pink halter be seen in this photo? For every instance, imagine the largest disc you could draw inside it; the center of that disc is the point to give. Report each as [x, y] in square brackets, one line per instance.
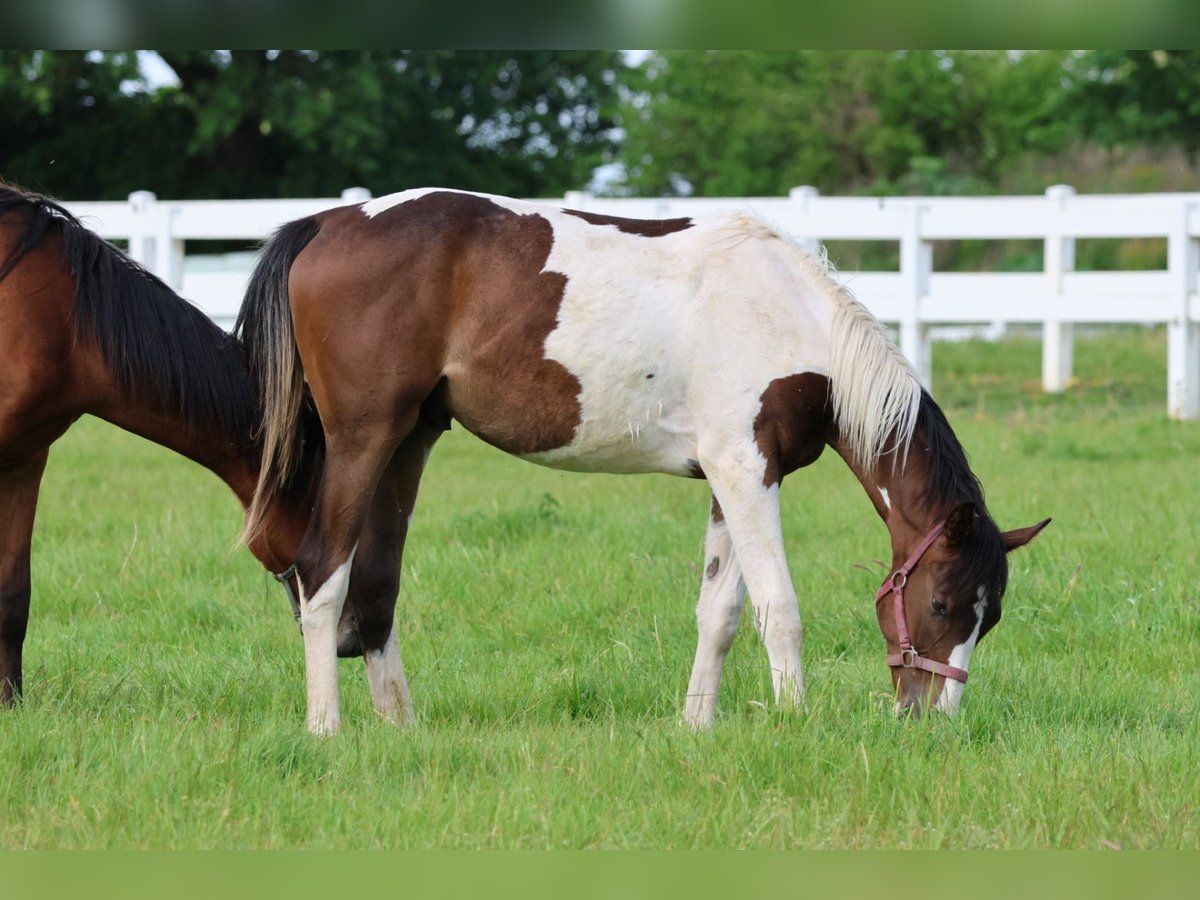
[908, 658]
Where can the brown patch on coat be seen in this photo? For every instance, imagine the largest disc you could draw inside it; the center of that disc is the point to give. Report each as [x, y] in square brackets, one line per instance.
[443, 305]
[793, 423]
[694, 470]
[642, 227]
[718, 514]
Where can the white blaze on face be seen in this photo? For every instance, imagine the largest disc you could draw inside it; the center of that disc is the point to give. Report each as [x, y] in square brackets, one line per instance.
[960, 658]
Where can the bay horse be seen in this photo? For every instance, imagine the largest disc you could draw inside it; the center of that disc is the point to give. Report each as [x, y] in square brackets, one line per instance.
[84, 329]
[720, 350]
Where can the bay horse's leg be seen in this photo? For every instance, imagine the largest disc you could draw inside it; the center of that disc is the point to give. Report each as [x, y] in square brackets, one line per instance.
[376, 578]
[722, 593]
[18, 501]
[751, 510]
[354, 462]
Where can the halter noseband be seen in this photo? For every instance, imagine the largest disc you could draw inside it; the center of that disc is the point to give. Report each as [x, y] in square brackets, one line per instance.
[908, 658]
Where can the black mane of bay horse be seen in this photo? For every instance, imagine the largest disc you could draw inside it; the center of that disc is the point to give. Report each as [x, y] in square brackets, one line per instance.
[84, 329]
[716, 349]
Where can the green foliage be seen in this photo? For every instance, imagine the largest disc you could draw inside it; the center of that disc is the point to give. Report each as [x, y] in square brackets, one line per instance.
[1136, 97]
[547, 629]
[307, 123]
[736, 123]
[760, 122]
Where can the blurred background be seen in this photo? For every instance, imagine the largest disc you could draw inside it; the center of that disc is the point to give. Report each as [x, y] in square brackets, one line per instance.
[94, 125]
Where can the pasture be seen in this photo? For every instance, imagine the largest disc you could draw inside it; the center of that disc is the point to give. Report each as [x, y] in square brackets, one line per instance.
[546, 623]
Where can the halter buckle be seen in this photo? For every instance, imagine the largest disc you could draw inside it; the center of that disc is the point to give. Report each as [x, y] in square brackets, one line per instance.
[908, 657]
[898, 580]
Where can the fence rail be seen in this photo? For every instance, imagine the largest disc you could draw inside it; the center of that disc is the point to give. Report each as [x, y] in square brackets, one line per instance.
[916, 297]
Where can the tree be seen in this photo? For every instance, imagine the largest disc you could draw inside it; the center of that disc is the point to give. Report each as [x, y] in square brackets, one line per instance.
[69, 124]
[760, 122]
[305, 123]
[1137, 97]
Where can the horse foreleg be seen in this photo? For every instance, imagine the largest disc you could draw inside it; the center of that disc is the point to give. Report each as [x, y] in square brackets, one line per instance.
[752, 513]
[18, 501]
[352, 471]
[722, 593]
[377, 574]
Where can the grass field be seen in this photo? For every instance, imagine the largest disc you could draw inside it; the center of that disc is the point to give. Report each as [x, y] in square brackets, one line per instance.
[547, 628]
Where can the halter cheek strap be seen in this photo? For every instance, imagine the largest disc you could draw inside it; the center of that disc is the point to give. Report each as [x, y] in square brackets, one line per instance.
[908, 658]
[285, 578]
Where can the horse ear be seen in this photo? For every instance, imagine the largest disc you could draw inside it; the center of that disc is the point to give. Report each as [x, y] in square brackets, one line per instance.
[1019, 537]
[960, 525]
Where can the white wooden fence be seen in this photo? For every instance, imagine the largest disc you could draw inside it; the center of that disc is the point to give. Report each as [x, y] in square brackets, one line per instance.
[916, 297]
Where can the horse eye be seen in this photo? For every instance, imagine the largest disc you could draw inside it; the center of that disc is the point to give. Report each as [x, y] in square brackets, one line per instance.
[939, 608]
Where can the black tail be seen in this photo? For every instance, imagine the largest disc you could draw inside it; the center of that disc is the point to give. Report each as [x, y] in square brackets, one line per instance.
[264, 326]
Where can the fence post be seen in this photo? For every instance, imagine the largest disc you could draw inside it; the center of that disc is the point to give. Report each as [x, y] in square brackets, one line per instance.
[141, 240]
[916, 264]
[576, 199]
[802, 196]
[356, 195]
[150, 243]
[1183, 335]
[1058, 337]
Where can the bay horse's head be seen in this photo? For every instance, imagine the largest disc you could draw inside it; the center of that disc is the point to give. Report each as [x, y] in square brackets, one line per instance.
[939, 602]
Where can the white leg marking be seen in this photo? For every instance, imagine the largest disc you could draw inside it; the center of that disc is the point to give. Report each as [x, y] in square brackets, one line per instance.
[722, 593]
[960, 657]
[389, 689]
[319, 618]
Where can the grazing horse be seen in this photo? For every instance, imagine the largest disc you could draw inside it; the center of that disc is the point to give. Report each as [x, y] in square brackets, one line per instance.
[83, 329]
[719, 350]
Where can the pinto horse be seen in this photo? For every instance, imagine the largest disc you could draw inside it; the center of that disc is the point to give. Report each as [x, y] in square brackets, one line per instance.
[719, 350]
[83, 329]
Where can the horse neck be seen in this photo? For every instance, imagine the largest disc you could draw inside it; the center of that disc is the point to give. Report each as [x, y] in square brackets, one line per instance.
[285, 521]
[209, 447]
[900, 493]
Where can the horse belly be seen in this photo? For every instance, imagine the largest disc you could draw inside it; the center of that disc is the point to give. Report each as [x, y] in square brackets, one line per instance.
[628, 434]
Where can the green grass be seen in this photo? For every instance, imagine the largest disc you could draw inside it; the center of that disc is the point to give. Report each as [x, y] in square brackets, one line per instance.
[546, 624]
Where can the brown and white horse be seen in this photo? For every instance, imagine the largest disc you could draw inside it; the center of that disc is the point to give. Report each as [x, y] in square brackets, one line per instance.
[718, 350]
[85, 330]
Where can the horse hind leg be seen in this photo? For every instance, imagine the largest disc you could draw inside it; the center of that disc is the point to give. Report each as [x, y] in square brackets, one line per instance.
[18, 501]
[376, 577]
[353, 466]
[722, 593]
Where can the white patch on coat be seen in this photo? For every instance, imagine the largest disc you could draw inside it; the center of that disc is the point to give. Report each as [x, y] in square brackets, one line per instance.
[319, 620]
[887, 503]
[712, 314]
[960, 658]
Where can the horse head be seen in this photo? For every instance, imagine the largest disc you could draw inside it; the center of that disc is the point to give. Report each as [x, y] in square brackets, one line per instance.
[938, 603]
